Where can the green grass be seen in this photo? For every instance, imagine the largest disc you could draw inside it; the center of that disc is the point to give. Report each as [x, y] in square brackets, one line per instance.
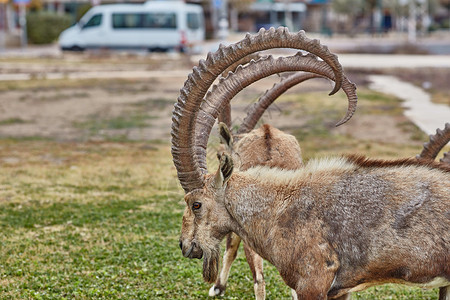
[120, 122]
[104, 224]
[102, 220]
[96, 125]
[12, 121]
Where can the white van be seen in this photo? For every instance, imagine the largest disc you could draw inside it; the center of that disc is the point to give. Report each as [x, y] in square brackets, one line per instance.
[154, 25]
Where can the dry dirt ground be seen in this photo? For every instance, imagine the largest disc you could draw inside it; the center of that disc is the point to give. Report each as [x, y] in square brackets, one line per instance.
[140, 109]
[134, 110]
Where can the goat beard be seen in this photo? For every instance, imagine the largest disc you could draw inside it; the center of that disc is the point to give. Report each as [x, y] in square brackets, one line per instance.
[211, 265]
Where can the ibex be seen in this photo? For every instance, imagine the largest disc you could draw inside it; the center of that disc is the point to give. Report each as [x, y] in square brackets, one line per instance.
[256, 149]
[271, 147]
[263, 146]
[336, 225]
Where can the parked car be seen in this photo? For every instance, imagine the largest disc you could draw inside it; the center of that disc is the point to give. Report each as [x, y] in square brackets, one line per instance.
[154, 25]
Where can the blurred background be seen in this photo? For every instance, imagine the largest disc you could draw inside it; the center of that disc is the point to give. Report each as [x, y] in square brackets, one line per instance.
[40, 22]
[90, 204]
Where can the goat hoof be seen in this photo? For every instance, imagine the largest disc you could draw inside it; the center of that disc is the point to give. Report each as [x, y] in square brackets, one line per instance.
[216, 291]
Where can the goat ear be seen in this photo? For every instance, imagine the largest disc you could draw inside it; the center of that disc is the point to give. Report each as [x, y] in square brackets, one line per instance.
[225, 135]
[225, 170]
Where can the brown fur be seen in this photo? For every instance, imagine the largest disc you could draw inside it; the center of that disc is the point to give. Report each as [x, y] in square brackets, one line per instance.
[365, 162]
[332, 228]
[270, 147]
[268, 139]
[211, 266]
[255, 148]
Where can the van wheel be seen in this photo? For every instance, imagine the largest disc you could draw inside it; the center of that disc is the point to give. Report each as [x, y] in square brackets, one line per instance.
[158, 49]
[76, 48]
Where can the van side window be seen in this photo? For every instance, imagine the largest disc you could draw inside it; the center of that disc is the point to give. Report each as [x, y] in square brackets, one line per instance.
[96, 20]
[162, 20]
[144, 20]
[128, 20]
[193, 21]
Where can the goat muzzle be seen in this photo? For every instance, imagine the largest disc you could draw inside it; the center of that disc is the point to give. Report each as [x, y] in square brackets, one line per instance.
[192, 251]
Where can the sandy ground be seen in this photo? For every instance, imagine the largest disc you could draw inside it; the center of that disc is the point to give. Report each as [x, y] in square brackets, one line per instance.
[81, 113]
[60, 113]
[71, 114]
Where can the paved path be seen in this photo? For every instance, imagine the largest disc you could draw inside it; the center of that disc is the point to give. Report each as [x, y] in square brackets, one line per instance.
[427, 115]
[380, 61]
[364, 61]
[94, 75]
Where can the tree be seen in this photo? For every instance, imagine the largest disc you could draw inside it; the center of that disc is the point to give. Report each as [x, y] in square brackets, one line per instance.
[348, 7]
[347, 11]
[237, 6]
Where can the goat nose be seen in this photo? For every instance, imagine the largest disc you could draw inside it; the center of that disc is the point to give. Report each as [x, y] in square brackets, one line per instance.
[181, 245]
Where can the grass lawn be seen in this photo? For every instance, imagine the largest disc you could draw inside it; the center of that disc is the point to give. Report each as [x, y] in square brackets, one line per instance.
[101, 220]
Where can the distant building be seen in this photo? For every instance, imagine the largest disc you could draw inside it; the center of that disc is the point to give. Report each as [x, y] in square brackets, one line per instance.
[310, 15]
[317, 18]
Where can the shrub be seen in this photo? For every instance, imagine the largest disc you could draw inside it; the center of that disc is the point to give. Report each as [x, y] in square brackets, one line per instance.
[45, 27]
[81, 10]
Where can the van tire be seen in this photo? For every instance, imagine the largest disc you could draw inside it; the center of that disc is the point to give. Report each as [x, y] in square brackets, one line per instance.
[158, 49]
[76, 48]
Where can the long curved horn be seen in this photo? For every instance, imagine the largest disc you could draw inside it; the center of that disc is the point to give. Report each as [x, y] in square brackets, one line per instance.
[225, 114]
[432, 148]
[191, 95]
[258, 108]
[243, 62]
[228, 87]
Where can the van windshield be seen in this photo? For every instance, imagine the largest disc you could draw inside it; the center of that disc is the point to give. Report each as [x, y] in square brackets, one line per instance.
[95, 21]
[144, 20]
[193, 21]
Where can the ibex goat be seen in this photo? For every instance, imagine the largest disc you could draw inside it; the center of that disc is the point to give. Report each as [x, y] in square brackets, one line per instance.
[270, 147]
[256, 149]
[336, 225]
[264, 146]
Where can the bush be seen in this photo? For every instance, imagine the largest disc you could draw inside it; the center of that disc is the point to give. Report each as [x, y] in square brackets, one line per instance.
[81, 10]
[45, 27]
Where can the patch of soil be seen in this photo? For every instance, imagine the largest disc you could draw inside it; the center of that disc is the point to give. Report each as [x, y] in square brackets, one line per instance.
[52, 114]
[70, 114]
[377, 128]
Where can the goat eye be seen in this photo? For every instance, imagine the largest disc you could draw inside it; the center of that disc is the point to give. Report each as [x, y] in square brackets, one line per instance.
[196, 205]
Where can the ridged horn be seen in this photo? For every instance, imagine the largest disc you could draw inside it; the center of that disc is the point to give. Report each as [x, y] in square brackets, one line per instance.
[432, 148]
[242, 61]
[195, 87]
[225, 114]
[258, 108]
[222, 93]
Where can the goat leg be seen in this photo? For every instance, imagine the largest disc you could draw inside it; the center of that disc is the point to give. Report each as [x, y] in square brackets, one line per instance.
[219, 287]
[256, 266]
[444, 293]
